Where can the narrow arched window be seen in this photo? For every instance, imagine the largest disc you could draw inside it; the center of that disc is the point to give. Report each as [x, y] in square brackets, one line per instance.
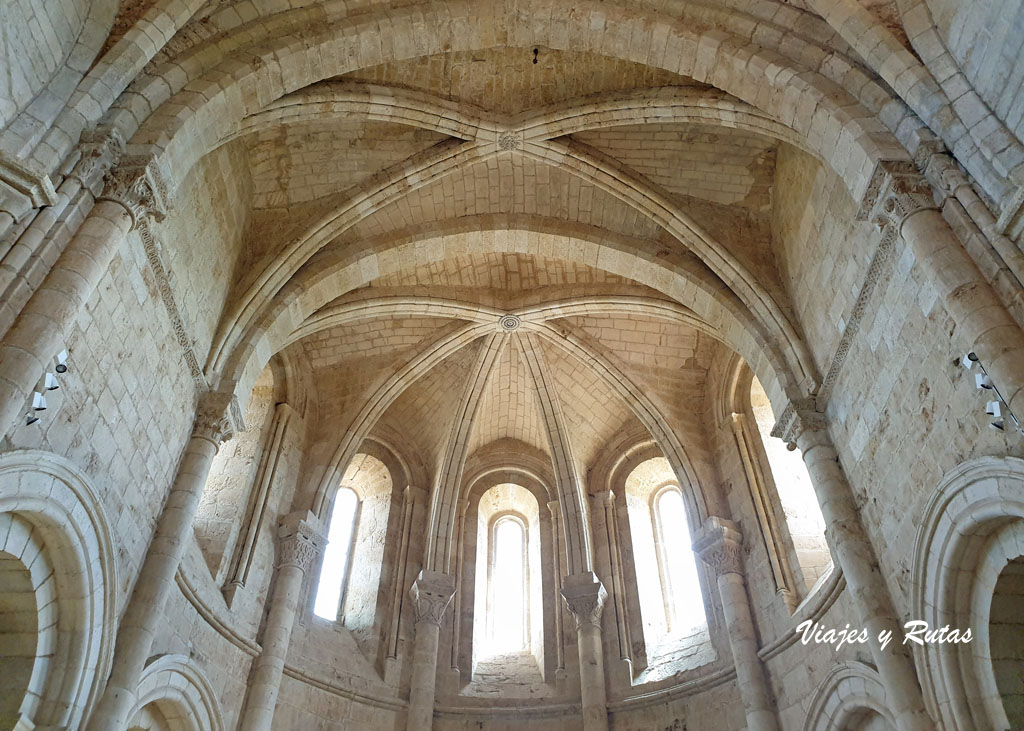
[684, 605]
[795, 493]
[507, 630]
[334, 572]
[668, 585]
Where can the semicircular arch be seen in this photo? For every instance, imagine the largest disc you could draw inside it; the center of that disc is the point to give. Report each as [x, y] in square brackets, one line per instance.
[182, 692]
[57, 500]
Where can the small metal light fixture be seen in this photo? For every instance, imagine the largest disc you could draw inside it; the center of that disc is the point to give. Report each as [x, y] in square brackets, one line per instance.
[62, 362]
[30, 419]
[996, 407]
[52, 384]
[38, 401]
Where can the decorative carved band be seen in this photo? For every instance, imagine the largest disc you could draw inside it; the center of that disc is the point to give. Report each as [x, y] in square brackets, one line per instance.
[100, 152]
[298, 545]
[584, 596]
[879, 271]
[213, 417]
[799, 416]
[137, 185]
[431, 594]
[720, 545]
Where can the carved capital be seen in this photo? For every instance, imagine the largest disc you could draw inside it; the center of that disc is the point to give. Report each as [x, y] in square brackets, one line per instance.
[137, 185]
[213, 417]
[720, 545]
[939, 167]
[584, 595]
[799, 416]
[298, 541]
[431, 594]
[100, 152]
[896, 191]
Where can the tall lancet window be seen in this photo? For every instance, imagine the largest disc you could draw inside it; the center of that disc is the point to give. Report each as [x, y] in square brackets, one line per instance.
[504, 584]
[684, 607]
[337, 556]
[795, 493]
[507, 618]
[668, 585]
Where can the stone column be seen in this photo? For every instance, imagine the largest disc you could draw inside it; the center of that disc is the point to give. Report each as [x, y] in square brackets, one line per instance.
[133, 192]
[585, 595]
[905, 201]
[556, 553]
[144, 613]
[852, 550]
[298, 545]
[718, 545]
[431, 594]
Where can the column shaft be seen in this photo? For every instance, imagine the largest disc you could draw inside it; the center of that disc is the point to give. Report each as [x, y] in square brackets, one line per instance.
[592, 690]
[431, 594]
[983, 320]
[155, 582]
[749, 671]
[424, 676]
[853, 551]
[47, 318]
[298, 545]
[156, 579]
[269, 666]
[585, 597]
[719, 545]
[134, 191]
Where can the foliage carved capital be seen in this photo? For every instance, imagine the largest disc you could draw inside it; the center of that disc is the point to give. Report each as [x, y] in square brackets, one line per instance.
[431, 594]
[214, 417]
[720, 545]
[585, 596]
[298, 543]
[136, 184]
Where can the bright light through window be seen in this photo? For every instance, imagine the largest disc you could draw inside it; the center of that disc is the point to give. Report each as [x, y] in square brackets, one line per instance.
[507, 631]
[683, 593]
[336, 556]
